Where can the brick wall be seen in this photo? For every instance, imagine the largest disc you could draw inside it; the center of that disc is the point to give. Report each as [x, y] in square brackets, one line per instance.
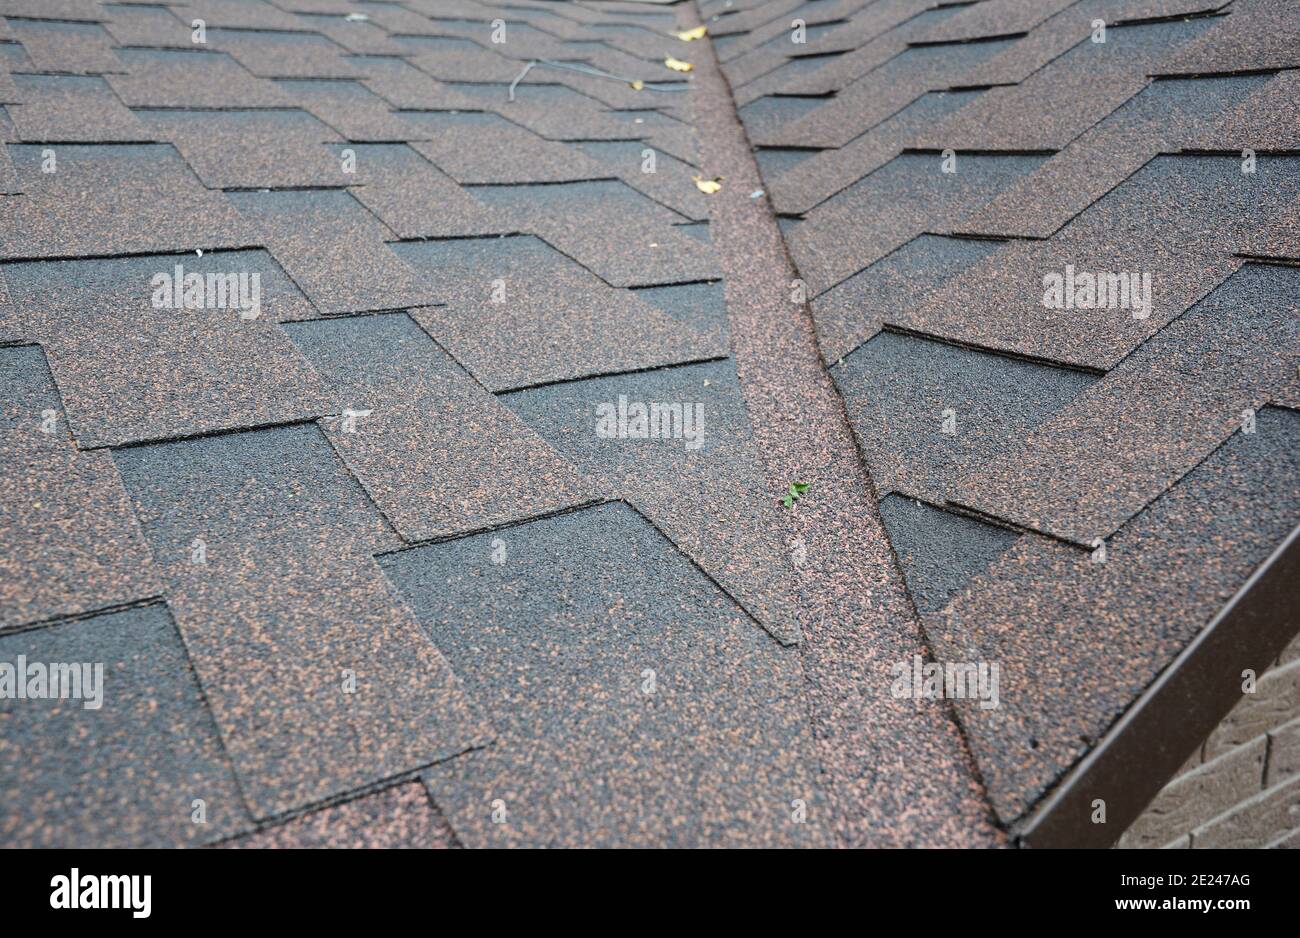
[1242, 788]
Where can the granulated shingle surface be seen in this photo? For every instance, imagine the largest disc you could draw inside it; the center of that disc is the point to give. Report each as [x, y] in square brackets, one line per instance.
[776, 33]
[486, 148]
[903, 394]
[646, 66]
[318, 678]
[359, 36]
[152, 26]
[236, 14]
[658, 175]
[333, 249]
[1188, 379]
[462, 61]
[76, 48]
[421, 588]
[252, 149]
[940, 552]
[1072, 24]
[396, 818]
[552, 111]
[129, 773]
[435, 452]
[130, 370]
[1040, 608]
[617, 233]
[503, 294]
[283, 54]
[995, 18]
[881, 32]
[413, 198]
[1210, 211]
[887, 90]
[71, 543]
[1104, 456]
[1166, 115]
[890, 207]
[1261, 122]
[822, 175]
[852, 312]
[74, 109]
[561, 644]
[157, 78]
[71, 10]
[352, 109]
[661, 131]
[857, 621]
[693, 476]
[701, 306]
[1053, 106]
[1255, 35]
[103, 200]
[403, 85]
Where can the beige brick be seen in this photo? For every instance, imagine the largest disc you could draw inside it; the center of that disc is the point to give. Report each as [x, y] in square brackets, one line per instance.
[1267, 817]
[1276, 701]
[1200, 795]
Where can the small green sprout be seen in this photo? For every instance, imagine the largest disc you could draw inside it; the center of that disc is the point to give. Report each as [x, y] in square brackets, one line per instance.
[796, 492]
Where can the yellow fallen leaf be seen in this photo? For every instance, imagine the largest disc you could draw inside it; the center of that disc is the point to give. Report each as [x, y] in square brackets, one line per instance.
[699, 32]
[677, 65]
[708, 186]
[637, 84]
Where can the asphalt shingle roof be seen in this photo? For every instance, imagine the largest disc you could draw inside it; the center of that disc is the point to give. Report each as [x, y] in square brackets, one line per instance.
[359, 565]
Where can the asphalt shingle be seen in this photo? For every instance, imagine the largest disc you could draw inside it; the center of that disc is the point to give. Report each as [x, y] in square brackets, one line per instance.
[251, 149]
[189, 79]
[908, 196]
[505, 294]
[371, 563]
[103, 200]
[1210, 211]
[135, 772]
[885, 91]
[1103, 457]
[131, 369]
[72, 109]
[437, 454]
[616, 233]
[72, 545]
[923, 410]
[334, 249]
[413, 198]
[400, 817]
[481, 149]
[692, 475]
[69, 48]
[1050, 615]
[939, 551]
[561, 642]
[317, 676]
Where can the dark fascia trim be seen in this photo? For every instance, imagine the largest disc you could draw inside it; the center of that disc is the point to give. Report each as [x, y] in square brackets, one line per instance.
[1158, 734]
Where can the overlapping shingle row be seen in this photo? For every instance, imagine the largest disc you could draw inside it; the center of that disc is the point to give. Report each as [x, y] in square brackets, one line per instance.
[1066, 485]
[218, 500]
[360, 565]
